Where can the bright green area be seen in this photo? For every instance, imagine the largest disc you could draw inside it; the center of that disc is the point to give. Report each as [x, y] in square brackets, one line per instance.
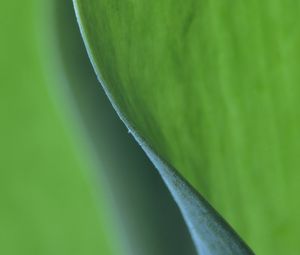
[47, 203]
[213, 87]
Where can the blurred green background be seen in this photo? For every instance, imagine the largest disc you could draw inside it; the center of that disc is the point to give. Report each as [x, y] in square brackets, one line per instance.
[72, 180]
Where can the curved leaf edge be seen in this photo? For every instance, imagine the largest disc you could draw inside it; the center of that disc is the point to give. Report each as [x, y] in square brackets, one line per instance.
[210, 232]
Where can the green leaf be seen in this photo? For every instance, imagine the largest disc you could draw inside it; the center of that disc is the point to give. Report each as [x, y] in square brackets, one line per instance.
[212, 88]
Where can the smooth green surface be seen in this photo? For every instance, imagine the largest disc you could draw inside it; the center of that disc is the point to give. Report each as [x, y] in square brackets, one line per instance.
[213, 87]
[48, 205]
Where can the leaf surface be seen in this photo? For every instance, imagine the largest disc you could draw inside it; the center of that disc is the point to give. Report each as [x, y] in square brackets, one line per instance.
[210, 88]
